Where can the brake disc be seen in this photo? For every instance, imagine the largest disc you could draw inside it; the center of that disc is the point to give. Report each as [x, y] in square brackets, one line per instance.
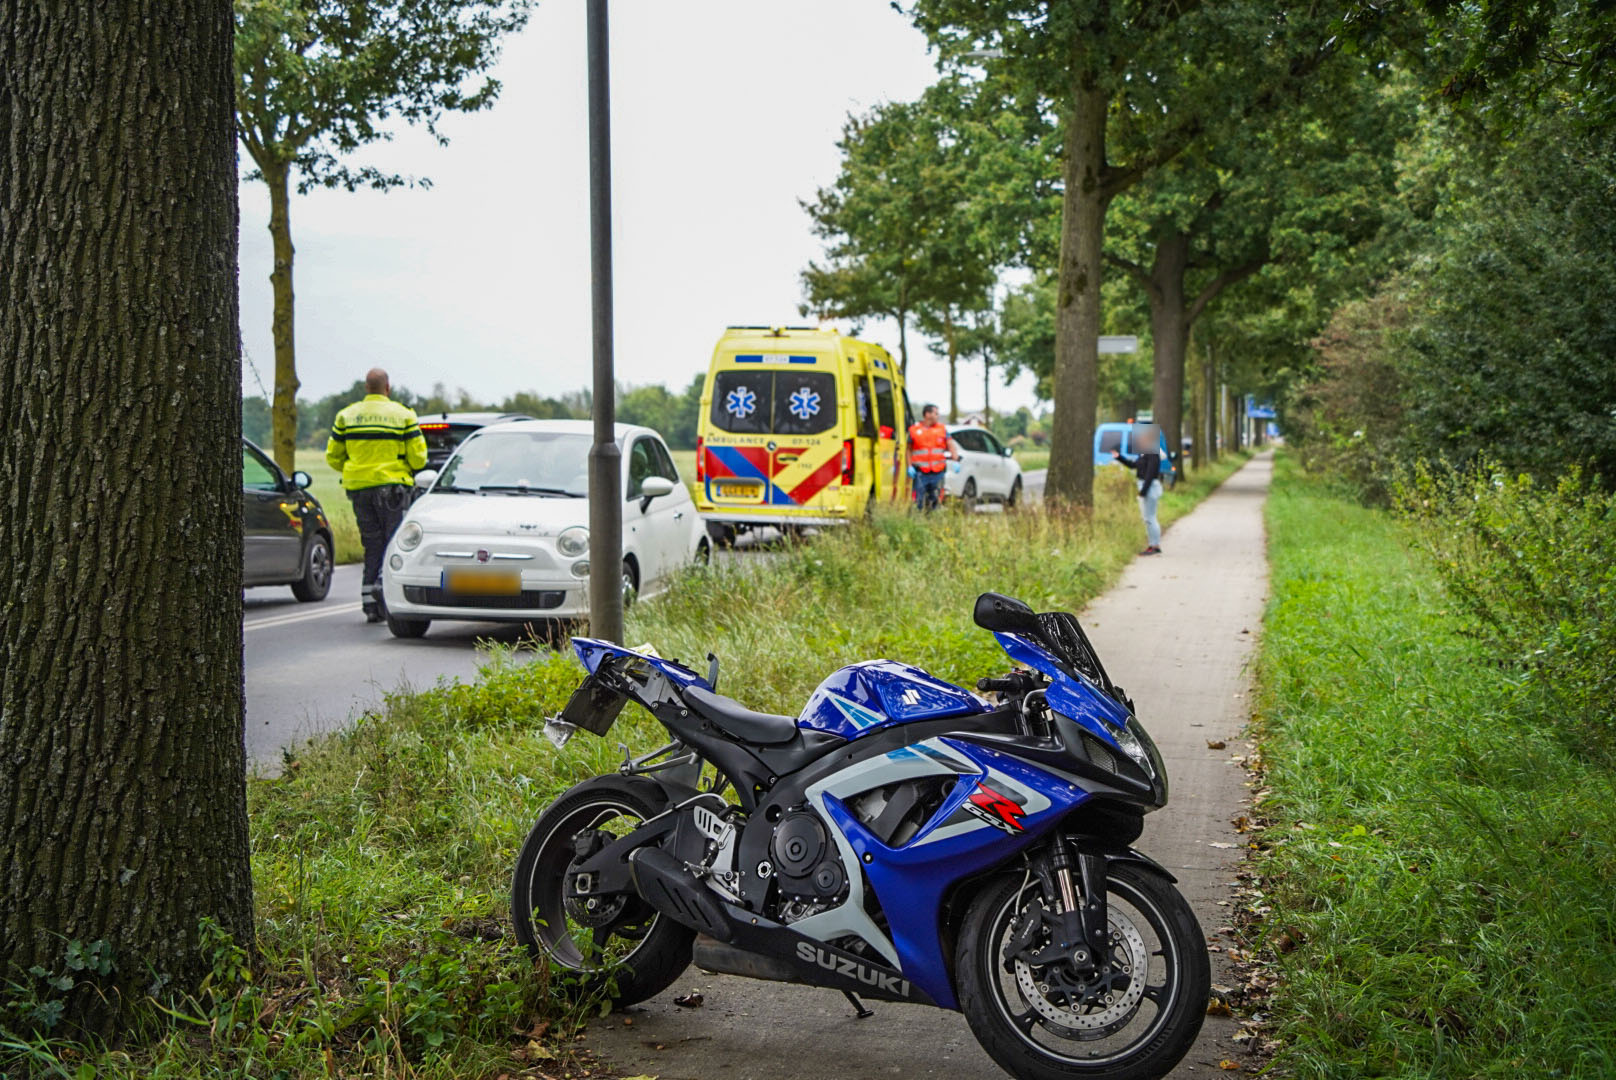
[1111, 1009]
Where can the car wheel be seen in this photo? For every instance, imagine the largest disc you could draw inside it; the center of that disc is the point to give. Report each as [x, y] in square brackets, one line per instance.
[631, 583]
[407, 628]
[968, 496]
[722, 535]
[316, 579]
[1015, 495]
[704, 553]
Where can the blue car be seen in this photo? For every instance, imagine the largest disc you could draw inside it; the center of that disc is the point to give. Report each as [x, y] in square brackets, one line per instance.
[1109, 437]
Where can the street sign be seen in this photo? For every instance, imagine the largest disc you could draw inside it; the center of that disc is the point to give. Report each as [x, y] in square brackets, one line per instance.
[1118, 343]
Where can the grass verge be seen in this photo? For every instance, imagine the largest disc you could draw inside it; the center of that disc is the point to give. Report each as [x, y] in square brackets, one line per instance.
[1447, 866]
[382, 853]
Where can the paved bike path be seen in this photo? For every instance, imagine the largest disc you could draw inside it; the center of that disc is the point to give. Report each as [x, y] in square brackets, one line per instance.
[1177, 631]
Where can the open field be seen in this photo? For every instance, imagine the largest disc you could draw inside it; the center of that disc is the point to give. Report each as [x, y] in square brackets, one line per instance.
[382, 854]
[1440, 860]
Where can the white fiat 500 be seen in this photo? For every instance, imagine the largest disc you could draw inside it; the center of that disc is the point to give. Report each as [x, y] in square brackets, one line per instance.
[502, 533]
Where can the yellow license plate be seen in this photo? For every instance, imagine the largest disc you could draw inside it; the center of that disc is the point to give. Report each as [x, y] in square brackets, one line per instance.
[481, 581]
[737, 491]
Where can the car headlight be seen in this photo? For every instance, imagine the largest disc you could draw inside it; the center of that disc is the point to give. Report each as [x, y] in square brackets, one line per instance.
[573, 542]
[409, 536]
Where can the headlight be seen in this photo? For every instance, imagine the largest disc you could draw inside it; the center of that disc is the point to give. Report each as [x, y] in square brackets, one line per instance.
[409, 536]
[573, 542]
[1134, 749]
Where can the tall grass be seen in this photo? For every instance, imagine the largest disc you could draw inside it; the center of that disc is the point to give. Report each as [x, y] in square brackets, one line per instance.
[382, 853]
[1446, 863]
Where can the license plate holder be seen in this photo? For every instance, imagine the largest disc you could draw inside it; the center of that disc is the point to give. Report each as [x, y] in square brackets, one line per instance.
[480, 581]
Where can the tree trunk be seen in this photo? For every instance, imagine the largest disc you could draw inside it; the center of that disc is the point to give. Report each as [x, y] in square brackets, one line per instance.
[122, 794]
[283, 414]
[1169, 328]
[1196, 458]
[953, 367]
[987, 379]
[1208, 432]
[903, 341]
[1077, 311]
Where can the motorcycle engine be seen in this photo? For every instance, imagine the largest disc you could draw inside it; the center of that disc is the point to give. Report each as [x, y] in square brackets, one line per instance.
[808, 865]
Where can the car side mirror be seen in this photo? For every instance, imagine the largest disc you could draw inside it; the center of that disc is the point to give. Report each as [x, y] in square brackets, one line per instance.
[1009, 451]
[302, 480]
[653, 487]
[426, 478]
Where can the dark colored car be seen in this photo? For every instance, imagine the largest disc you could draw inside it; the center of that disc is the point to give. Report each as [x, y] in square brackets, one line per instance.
[287, 537]
[445, 431]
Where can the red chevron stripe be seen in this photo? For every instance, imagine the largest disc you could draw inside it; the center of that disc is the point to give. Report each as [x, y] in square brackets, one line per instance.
[815, 481]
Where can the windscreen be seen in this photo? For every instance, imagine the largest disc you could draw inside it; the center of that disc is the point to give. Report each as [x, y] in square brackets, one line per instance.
[1110, 440]
[514, 460]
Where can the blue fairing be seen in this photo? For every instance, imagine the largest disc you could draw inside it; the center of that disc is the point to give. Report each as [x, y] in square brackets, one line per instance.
[1069, 695]
[591, 651]
[912, 881]
[876, 694]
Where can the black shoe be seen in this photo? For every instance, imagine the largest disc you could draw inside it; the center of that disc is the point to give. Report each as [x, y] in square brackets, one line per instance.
[373, 615]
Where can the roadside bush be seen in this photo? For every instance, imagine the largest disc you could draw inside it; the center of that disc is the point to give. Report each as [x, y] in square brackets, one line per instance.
[1534, 568]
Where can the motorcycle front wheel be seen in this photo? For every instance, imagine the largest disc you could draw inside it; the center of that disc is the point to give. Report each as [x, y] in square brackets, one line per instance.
[1045, 1023]
[617, 946]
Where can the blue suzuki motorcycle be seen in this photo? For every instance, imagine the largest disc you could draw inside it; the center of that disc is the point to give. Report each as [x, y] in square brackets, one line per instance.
[903, 839]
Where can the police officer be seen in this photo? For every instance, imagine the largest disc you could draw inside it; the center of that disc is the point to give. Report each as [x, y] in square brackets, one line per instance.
[377, 446]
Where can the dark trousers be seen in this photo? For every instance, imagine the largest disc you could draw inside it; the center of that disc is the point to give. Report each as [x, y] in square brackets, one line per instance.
[928, 488]
[378, 510]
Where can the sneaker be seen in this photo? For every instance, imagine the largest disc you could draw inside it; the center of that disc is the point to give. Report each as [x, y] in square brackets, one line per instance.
[374, 616]
[1151, 551]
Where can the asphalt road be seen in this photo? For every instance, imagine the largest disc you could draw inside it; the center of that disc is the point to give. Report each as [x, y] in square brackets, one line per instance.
[311, 667]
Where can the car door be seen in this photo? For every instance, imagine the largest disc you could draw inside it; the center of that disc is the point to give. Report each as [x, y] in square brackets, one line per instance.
[646, 523]
[1003, 470]
[273, 539]
[673, 515]
[974, 464]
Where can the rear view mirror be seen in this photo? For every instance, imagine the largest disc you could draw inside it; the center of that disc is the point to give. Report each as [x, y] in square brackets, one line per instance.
[654, 486]
[1009, 451]
[1004, 614]
[302, 480]
[426, 478]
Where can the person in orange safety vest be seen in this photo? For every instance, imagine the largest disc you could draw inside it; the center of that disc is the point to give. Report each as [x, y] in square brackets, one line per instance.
[930, 449]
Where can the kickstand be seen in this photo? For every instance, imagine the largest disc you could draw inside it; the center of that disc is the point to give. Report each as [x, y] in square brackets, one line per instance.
[858, 1006]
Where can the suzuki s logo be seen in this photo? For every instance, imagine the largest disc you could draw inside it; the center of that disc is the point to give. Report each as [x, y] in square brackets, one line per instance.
[995, 808]
[852, 969]
[910, 697]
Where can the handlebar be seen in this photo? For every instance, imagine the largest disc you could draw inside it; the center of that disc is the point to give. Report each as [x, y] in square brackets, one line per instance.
[1017, 682]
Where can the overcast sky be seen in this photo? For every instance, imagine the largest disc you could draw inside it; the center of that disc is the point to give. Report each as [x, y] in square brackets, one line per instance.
[725, 113]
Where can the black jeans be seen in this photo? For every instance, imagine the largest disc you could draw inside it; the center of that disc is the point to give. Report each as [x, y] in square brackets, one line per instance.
[378, 510]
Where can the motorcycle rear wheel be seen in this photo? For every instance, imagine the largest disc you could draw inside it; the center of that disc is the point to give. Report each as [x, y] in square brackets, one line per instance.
[629, 957]
[1143, 1032]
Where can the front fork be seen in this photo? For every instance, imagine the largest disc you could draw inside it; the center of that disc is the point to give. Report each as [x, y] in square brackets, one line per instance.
[1082, 926]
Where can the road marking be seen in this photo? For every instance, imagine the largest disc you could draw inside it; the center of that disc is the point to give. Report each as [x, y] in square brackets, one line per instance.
[300, 616]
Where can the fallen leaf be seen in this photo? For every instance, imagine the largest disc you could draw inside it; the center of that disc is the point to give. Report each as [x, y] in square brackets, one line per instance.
[1229, 1066]
[1217, 1008]
[1221, 844]
[692, 1000]
[1215, 744]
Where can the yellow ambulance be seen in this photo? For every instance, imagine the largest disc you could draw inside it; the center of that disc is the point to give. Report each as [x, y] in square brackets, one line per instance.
[799, 427]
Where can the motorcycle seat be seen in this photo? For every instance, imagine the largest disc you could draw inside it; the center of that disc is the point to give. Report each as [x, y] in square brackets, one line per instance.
[736, 719]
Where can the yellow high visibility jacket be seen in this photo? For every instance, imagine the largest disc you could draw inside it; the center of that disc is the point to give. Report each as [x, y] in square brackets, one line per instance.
[376, 441]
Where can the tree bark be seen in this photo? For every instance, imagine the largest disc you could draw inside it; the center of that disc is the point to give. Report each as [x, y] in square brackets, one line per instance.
[283, 413]
[1169, 329]
[1208, 433]
[953, 367]
[1077, 312]
[122, 792]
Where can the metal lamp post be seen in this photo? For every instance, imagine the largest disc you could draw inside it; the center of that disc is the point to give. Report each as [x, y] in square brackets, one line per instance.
[605, 460]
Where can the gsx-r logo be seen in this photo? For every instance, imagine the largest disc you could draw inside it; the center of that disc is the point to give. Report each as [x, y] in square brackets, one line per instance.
[995, 808]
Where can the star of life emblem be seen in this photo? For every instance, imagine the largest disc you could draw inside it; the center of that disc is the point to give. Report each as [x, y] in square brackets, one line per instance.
[740, 403]
[804, 404]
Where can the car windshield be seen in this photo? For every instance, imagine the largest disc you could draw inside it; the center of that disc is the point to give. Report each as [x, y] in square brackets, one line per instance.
[518, 462]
